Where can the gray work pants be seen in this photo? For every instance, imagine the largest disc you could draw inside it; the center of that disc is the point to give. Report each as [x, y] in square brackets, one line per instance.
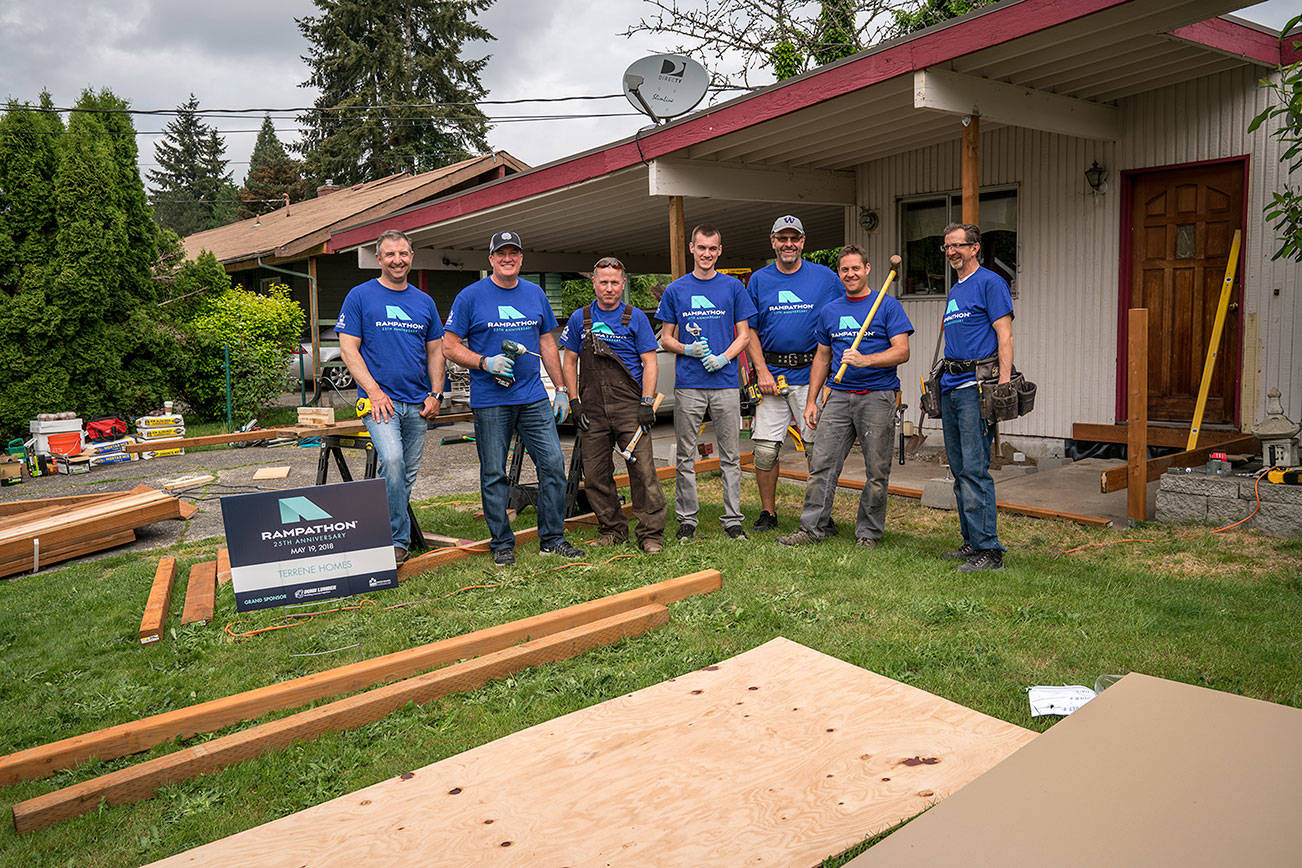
[872, 418]
[725, 411]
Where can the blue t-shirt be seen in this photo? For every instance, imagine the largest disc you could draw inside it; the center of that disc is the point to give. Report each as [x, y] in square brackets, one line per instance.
[715, 306]
[394, 325]
[840, 321]
[787, 308]
[628, 341]
[483, 315]
[974, 304]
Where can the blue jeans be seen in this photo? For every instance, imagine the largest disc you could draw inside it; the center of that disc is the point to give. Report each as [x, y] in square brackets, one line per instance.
[967, 443]
[494, 427]
[400, 444]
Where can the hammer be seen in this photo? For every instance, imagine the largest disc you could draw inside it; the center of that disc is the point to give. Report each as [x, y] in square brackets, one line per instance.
[895, 263]
[637, 435]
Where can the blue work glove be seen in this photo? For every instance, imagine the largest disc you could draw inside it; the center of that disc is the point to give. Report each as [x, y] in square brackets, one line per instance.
[697, 350]
[561, 407]
[715, 363]
[500, 365]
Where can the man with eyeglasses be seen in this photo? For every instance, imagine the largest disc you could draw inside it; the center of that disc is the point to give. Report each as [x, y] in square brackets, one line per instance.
[507, 393]
[978, 343]
[788, 295]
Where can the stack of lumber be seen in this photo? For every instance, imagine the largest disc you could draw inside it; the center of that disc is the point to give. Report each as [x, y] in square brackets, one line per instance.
[321, 416]
[60, 528]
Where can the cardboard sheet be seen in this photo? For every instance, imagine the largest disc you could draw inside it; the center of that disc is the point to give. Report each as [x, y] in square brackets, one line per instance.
[1152, 772]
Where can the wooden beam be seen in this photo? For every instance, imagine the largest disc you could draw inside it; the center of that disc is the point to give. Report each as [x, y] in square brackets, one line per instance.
[971, 169]
[139, 735]
[749, 182]
[223, 566]
[1137, 409]
[1116, 478]
[199, 593]
[155, 617]
[955, 93]
[207, 440]
[140, 781]
[1157, 435]
[677, 237]
[59, 552]
[20, 507]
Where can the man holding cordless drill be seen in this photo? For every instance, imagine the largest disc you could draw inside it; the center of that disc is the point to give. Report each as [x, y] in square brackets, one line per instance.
[507, 393]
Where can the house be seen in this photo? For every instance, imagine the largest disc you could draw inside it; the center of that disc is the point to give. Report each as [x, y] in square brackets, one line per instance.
[288, 245]
[1101, 144]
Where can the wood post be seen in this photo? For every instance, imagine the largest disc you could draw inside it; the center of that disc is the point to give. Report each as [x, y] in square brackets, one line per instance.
[677, 237]
[314, 313]
[160, 598]
[972, 170]
[1137, 416]
[200, 593]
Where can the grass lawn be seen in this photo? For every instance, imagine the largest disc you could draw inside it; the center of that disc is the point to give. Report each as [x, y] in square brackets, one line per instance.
[1213, 610]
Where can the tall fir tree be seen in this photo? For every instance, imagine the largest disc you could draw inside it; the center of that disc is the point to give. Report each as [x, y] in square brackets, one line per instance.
[374, 61]
[273, 174]
[192, 191]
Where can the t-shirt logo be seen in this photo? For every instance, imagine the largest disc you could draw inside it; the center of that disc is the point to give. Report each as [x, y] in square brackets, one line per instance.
[602, 329]
[786, 296]
[506, 311]
[392, 311]
[952, 307]
[848, 322]
[700, 302]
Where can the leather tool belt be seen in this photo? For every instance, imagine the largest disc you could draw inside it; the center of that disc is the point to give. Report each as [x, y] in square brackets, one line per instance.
[789, 360]
[984, 369]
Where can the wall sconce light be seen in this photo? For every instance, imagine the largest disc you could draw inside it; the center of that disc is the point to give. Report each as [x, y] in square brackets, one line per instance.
[1095, 175]
[868, 219]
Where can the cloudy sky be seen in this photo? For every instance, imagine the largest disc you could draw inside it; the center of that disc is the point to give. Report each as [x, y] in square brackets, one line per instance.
[247, 53]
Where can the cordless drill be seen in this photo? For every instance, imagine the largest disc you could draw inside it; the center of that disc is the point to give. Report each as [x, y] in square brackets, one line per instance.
[512, 350]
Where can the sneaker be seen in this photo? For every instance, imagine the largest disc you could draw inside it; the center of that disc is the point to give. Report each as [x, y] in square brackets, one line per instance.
[988, 560]
[864, 542]
[766, 521]
[564, 549]
[685, 531]
[652, 546]
[399, 555]
[504, 557]
[962, 553]
[736, 531]
[799, 538]
[608, 539]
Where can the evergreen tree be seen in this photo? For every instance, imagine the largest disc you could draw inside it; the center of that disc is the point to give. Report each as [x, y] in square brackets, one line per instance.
[272, 175]
[373, 62]
[192, 190]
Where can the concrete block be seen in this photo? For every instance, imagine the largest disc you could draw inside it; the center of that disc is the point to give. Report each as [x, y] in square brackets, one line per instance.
[1180, 482]
[1173, 506]
[1050, 462]
[1226, 510]
[1279, 519]
[1271, 492]
[939, 494]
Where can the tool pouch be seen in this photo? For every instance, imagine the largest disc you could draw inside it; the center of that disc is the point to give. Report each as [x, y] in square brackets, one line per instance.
[1004, 402]
[930, 401]
[1025, 395]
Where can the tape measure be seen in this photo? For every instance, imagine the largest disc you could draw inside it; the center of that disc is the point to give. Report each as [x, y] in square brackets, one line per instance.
[363, 406]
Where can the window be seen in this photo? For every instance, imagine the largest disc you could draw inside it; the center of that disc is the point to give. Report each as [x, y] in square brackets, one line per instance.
[922, 222]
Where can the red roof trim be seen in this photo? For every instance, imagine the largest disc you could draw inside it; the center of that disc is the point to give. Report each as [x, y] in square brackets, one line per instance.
[984, 29]
[1233, 38]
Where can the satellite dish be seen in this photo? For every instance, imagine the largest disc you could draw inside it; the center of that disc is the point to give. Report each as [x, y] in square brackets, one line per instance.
[664, 86]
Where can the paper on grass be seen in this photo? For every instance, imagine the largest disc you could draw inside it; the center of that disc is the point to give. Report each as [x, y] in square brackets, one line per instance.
[1062, 699]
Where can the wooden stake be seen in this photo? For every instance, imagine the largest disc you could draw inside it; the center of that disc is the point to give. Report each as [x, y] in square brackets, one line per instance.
[199, 593]
[1137, 416]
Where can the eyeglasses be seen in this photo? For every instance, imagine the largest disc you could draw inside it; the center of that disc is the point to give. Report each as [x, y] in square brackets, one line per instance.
[946, 248]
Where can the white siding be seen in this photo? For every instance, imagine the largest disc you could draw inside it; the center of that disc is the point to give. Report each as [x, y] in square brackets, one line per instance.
[1065, 330]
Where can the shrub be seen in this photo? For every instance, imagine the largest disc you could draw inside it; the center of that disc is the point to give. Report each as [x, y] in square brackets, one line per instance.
[644, 292]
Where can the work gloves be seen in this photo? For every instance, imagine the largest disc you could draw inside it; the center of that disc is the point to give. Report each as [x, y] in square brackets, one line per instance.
[500, 365]
[697, 350]
[561, 407]
[715, 363]
[646, 417]
[580, 418]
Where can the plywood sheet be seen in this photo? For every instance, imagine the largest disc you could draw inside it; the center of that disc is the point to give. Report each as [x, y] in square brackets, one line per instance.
[779, 756]
[272, 472]
[1152, 772]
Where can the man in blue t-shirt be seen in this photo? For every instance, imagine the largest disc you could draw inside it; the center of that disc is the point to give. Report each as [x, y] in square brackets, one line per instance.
[861, 405]
[507, 393]
[704, 316]
[978, 333]
[390, 337]
[788, 295]
[611, 368]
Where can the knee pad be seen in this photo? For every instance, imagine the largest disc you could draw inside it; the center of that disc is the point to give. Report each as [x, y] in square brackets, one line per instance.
[766, 453]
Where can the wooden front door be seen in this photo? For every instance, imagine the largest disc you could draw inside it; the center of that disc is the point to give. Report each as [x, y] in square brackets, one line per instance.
[1182, 223]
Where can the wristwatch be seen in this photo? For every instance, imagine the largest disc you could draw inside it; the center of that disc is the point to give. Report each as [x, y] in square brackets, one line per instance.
[437, 396]
[648, 401]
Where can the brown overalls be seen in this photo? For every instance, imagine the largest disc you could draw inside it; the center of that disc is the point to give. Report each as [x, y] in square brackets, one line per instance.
[610, 396]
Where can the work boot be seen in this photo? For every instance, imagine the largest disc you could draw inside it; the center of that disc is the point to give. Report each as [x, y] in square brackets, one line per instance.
[766, 521]
[685, 531]
[799, 538]
[992, 560]
[864, 542]
[609, 539]
[504, 558]
[735, 531]
[962, 553]
[399, 555]
[652, 546]
[564, 549]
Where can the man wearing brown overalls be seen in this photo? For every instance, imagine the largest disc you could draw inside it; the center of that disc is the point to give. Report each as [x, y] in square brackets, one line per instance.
[610, 368]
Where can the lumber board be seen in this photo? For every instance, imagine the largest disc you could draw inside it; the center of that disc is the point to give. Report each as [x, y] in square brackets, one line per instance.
[205, 440]
[19, 507]
[272, 472]
[778, 756]
[60, 552]
[155, 617]
[200, 593]
[1158, 435]
[916, 494]
[140, 781]
[1115, 479]
[355, 426]
[1166, 773]
[223, 566]
[139, 735]
[97, 519]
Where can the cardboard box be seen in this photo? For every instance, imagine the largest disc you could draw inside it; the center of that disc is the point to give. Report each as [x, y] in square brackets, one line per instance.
[162, 420]
[167, 433]
[11, 468]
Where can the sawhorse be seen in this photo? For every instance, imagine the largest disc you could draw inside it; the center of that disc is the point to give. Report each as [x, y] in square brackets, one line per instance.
[333, 445]
[520, 496]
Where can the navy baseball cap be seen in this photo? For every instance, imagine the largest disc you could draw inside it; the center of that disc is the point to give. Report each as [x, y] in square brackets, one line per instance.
[504, 239]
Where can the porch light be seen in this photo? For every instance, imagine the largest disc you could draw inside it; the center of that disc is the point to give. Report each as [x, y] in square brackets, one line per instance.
[1095, 175]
